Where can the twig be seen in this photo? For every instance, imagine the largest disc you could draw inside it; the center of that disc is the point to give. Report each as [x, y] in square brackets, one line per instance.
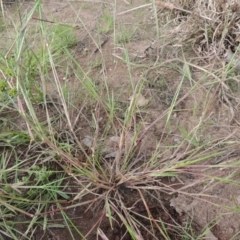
[136, 8]
[45, 20]
[101, 45]
[170, 6]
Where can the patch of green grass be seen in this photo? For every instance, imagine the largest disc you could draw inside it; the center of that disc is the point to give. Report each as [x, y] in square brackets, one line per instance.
[233, 84]
[62, 37]
[7, 92]
[124, 35]
[106, 22]
[85, 5]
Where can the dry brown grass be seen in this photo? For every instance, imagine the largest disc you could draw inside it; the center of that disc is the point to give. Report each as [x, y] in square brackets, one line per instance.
[209, 27]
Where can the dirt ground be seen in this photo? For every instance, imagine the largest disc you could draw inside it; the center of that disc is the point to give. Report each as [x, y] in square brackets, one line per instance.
[206, 204]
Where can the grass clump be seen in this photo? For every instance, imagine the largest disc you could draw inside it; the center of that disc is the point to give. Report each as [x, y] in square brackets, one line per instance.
[106, 22]
[83, 146]
[124, 35]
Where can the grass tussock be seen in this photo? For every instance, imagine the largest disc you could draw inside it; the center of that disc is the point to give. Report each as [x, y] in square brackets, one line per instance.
[77, 140]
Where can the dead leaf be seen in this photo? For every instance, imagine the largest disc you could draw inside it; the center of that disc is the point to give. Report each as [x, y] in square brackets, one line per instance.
[88, 141]
[183, 204]
[111, 145]
[141, 100]
[209, 236]
[15, 186]
[111, 155]
[166, 5]
[102, 234]
[115, 139]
